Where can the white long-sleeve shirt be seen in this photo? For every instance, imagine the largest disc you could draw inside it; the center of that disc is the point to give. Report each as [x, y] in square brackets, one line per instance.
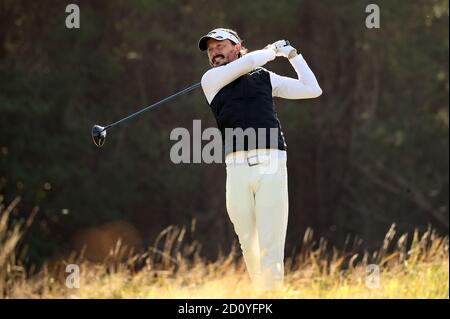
[304, 87]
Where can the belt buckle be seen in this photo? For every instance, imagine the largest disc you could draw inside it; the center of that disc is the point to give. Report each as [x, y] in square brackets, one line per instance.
[252, 164]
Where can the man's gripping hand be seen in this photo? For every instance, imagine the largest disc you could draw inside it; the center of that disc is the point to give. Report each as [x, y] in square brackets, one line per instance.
[283, 48]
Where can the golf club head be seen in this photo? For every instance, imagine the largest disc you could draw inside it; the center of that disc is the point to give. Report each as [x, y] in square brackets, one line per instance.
[98, 135]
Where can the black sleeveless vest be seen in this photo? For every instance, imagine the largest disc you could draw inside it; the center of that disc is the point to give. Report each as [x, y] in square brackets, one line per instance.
[247, 103]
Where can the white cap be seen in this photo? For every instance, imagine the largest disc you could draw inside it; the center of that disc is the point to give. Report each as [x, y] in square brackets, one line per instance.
[218, 34]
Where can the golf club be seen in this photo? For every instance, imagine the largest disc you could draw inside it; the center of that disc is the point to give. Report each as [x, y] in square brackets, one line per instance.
[99, 132]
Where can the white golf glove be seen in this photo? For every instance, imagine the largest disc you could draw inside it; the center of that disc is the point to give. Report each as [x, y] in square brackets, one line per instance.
[281, 48]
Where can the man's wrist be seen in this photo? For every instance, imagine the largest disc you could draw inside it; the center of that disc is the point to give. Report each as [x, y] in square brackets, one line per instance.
[292, 54]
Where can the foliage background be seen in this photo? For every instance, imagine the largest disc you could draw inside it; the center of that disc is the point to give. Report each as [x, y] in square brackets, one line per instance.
[371, 151]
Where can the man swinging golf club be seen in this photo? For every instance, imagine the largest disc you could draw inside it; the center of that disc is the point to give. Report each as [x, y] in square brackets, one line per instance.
[240, 94]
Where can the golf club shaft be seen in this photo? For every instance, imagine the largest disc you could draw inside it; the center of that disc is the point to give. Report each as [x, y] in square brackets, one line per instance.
[188, 89]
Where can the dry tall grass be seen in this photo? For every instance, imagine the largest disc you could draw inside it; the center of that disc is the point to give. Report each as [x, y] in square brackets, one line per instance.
[171, 268]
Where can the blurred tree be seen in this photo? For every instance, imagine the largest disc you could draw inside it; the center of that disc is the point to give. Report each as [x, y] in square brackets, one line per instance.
[371, 151]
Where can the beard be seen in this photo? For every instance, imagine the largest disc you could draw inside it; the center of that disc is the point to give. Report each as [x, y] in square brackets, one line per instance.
[219, 60]
[223, 58]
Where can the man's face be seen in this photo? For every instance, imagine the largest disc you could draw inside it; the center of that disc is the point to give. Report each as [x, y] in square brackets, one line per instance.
[222, 52]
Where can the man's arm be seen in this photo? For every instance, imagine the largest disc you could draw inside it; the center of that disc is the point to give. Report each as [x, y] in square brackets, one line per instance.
[216, 78]
[305, 87]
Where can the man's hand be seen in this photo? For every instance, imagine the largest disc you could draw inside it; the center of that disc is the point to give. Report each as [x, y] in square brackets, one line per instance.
[283, 48]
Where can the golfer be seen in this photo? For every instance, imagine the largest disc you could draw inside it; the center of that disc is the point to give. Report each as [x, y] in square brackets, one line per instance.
[240, 93]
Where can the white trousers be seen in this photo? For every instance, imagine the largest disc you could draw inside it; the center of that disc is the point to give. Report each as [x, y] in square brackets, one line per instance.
[257, 204]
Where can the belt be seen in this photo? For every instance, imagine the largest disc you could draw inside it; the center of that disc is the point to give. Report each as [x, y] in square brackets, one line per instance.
[254, 157]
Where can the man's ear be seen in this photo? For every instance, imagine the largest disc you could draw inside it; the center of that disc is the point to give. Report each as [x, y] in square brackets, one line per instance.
[237, 48]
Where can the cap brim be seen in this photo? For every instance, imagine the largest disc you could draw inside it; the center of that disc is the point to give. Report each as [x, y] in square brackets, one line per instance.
[202, 44]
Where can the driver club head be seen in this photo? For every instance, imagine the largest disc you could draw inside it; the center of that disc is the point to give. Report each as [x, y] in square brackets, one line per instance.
[98, 135]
